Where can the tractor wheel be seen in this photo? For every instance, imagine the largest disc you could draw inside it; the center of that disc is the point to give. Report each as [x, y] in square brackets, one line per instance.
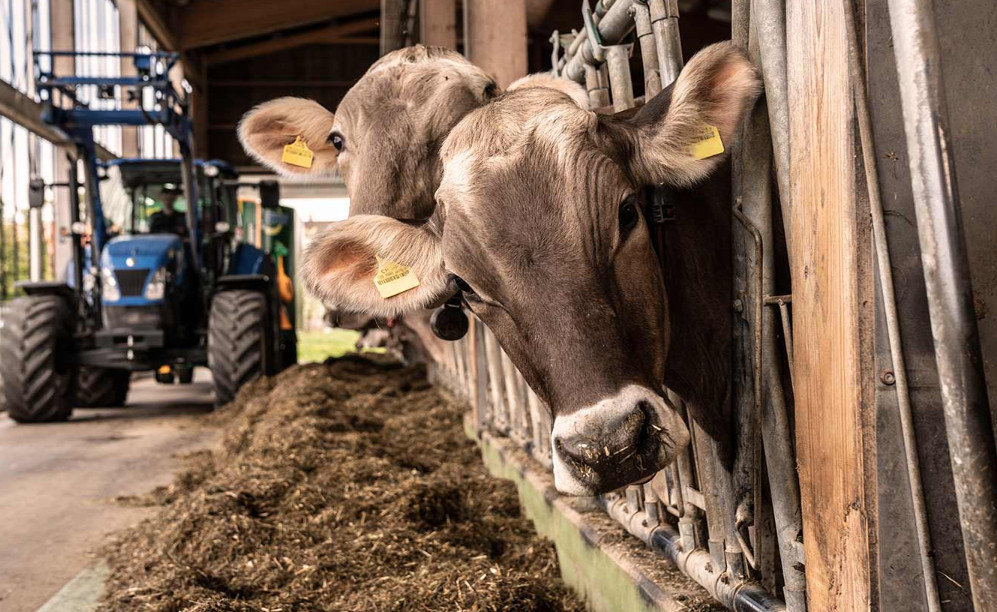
[237, 341]
[102, 387]
[37, 386]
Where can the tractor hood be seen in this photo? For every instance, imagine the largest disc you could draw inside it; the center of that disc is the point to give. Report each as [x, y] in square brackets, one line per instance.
[149, 251]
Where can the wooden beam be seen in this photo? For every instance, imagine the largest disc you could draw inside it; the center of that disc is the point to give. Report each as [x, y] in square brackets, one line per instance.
[128, 38]
[830, 269]
[438, 23]
[212, 22]
[163, 33]
[495, 37]
[393, 17]
[334, 34]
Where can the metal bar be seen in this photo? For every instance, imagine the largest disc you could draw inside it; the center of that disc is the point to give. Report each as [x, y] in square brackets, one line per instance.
[735, 593]
[757, 206]
[787, 335]
[665, 24]
[768, 20]
[596, 87]
[620, 86]
[886, 287]
[648, 48]
[496, 383]
[613, 28]
[968, 425]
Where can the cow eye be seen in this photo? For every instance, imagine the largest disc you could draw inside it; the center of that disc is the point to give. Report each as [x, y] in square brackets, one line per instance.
[629, 215]
[337, 140]
[462, 285]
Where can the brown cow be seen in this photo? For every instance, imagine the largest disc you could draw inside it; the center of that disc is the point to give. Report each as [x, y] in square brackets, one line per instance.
[386, 133]
[385, 136]
[538, 223]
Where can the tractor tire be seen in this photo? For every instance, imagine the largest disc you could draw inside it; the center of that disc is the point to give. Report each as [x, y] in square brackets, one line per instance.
[102, 387]
[237, 341]
[37, 387]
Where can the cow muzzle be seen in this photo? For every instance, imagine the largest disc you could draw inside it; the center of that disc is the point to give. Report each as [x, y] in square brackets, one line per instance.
[615, 442]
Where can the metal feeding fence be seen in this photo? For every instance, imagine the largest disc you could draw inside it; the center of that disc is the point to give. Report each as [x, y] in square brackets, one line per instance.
[739, 532]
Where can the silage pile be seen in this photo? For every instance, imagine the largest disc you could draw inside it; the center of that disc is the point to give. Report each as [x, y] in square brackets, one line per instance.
[347, 486]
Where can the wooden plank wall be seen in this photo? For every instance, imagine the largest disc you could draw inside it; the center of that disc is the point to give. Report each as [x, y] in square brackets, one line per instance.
[830, 307]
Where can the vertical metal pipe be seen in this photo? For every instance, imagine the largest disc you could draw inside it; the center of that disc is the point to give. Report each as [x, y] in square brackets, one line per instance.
[776, 434]
[621, 87]
[35, 243]
[648, 48]
[594, 85]
[496, 382]
[665, 24]
[968, 425]
[885, 270]
[768, 20]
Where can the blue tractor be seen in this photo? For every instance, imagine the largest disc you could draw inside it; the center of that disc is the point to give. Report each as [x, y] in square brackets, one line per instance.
[162, 277]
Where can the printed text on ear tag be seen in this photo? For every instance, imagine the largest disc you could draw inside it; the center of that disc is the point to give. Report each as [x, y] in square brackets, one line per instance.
[709, 144]
[298, 154]
[393, 278]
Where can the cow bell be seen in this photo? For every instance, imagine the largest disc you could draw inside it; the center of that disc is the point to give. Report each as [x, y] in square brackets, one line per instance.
[449, 321]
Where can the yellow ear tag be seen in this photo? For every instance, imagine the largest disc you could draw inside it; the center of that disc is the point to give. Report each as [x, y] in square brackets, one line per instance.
[298, 154]
[709, 144]
[393, 278]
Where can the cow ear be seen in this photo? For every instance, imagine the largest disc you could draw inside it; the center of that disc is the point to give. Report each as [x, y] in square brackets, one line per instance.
[271, 126]
[673, 136]
[340, 266]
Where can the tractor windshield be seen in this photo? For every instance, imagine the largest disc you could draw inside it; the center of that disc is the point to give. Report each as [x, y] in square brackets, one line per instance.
[144, 198]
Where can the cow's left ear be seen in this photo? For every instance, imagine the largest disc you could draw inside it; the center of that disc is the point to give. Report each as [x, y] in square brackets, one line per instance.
[680, 136]
[340, 266]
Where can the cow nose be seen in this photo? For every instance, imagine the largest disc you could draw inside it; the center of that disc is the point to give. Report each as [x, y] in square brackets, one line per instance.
[604, 438]
[615, 442]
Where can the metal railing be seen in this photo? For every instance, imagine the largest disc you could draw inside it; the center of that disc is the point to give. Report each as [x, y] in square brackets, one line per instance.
[738, 533]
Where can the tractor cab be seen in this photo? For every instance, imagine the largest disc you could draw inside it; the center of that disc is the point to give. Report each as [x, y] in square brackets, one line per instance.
[162, 278]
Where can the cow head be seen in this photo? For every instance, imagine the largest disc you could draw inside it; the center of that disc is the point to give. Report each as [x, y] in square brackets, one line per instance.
[386, 134]
[539, 224]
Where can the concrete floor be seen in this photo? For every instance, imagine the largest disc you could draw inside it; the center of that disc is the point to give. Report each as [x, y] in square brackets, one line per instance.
[58, 482]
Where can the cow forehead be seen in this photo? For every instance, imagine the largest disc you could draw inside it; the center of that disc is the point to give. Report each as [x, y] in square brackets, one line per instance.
[534, 123]
[410, 78]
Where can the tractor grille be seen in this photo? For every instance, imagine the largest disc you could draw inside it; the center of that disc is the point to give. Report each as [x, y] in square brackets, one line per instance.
[131, 282]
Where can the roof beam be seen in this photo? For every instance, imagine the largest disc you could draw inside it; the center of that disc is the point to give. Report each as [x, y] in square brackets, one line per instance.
[162, 32]
[336, 34]
[212, 22]
[27, 113]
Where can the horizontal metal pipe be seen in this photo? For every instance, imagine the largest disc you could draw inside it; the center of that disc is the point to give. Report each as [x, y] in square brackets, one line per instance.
[697, 564]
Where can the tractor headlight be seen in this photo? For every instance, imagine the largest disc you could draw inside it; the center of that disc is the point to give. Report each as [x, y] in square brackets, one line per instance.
[109, 285]
[156, 288]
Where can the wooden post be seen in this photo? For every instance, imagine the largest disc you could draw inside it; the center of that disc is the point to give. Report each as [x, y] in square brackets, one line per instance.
[392, 18]
[128, 40]
[438, 23]
[831, 306]
[63, 39]
[495, 37]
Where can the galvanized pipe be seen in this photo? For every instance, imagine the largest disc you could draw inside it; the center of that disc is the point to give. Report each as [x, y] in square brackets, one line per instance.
[613, 28]
[665, 24]
[695, 563]
[620, 86]
[886, 287]
[968, 425]
[776, 435]
[594, 85]
[648, 48]
[768, 20]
